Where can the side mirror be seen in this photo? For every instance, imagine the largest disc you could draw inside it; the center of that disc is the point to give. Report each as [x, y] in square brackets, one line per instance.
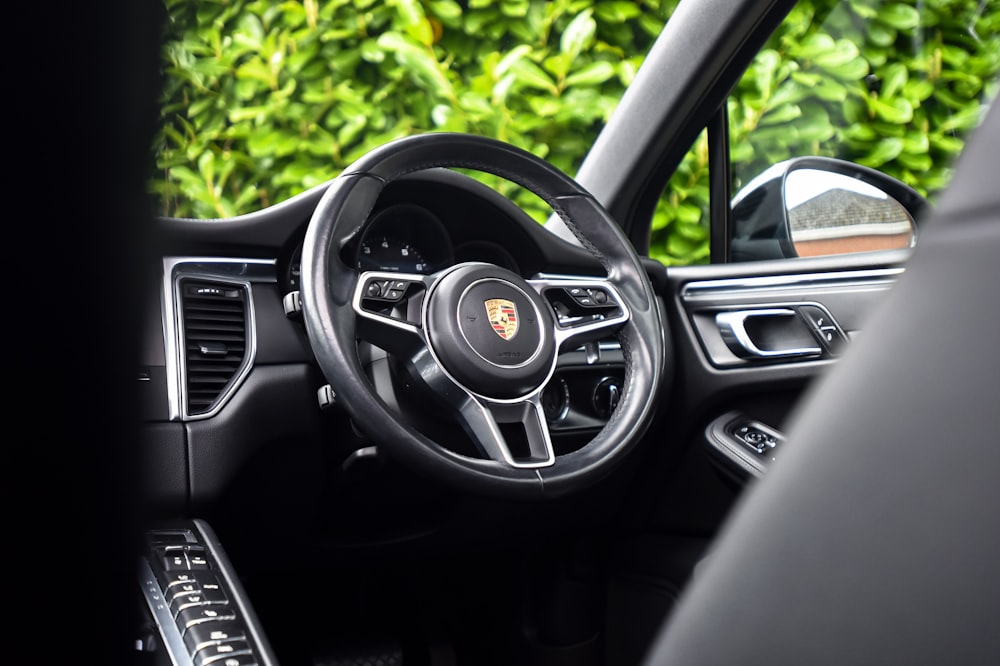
[813, 206]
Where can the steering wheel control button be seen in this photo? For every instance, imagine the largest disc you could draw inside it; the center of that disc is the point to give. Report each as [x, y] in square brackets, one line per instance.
[380, 289]
[590, 297]
[581, 305]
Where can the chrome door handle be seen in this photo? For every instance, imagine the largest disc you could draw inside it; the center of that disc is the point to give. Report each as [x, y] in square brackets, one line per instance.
[733, 326]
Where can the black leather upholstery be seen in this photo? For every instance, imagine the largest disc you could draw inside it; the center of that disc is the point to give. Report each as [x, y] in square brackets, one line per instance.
[875, 539]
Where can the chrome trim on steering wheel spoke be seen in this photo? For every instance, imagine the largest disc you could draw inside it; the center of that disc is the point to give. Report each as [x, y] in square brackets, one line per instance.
[483, 419]
[478, 414]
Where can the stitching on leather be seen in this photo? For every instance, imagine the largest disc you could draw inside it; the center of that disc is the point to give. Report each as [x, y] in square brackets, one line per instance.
[626, 347]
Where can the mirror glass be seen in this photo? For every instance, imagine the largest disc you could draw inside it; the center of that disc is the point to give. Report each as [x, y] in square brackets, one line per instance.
[831, 213]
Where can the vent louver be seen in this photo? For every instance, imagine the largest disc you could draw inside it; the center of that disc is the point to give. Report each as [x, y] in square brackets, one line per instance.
[215, 340]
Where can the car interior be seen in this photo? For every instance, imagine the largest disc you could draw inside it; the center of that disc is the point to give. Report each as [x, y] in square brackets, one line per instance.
[395, 420]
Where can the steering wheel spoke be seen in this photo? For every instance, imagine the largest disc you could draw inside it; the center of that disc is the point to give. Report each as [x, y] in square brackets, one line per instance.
[388, 310]
[585, 308]
[515, 433]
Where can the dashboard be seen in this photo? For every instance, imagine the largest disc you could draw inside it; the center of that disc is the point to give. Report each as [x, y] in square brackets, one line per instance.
[421, 224]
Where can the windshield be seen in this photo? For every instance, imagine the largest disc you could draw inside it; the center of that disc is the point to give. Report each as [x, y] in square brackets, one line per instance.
[264, 100]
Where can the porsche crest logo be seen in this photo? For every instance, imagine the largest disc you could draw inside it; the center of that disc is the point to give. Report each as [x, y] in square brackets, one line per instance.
[503, 316]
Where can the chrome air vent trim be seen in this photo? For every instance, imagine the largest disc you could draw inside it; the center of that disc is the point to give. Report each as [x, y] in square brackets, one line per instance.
[239, 274]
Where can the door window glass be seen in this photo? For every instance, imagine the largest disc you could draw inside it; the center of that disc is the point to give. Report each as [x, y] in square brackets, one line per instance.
[894, 86]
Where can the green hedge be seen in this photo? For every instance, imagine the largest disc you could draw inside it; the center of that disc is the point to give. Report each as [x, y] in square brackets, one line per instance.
[263, 100]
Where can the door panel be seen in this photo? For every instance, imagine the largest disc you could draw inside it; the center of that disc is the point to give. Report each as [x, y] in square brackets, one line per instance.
[700, 461]
[751, 337]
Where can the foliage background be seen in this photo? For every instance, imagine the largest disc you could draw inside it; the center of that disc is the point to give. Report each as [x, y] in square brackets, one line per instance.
[262, 100]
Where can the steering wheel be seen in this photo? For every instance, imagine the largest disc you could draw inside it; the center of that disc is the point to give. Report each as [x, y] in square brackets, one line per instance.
[481, 339]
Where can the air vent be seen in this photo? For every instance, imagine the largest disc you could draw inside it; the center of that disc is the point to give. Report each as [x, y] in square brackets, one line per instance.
[215, 341]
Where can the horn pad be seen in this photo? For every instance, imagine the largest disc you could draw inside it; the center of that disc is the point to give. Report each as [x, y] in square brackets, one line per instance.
[490, 331]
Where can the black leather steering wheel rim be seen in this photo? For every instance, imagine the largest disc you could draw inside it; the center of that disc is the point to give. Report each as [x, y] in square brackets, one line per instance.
[329, 300]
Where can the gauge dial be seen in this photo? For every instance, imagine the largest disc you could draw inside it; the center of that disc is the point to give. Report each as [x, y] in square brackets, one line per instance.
[404, 238]
[385, 253]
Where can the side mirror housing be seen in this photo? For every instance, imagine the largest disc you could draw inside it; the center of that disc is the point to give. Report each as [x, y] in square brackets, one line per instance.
[813, 206]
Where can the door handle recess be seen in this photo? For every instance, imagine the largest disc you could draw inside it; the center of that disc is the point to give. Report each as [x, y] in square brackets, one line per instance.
[733, 326]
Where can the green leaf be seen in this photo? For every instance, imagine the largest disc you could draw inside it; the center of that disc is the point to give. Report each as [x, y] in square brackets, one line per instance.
[842, 53]
[410, 11]
[558, 65]
[965, 119]
[899, 16]
[680, 246]
[781, 114]
[544, 107]
[880, 35]
[815, 126]
[592, 74]
[918, 89]
[916, 142]
[530, 75]
[578, 34]
[513, 56]
[500, 90]
[893, 78]
[884, 151]
[418, 62]
[946, 143]
[617, 12]
[689, 217]
[830, 90]
[813, 46]
[446, 10]
[371, 51]
[916, 162]
[515, 8]
[863, 9]
[894, 111]
[853, 70]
